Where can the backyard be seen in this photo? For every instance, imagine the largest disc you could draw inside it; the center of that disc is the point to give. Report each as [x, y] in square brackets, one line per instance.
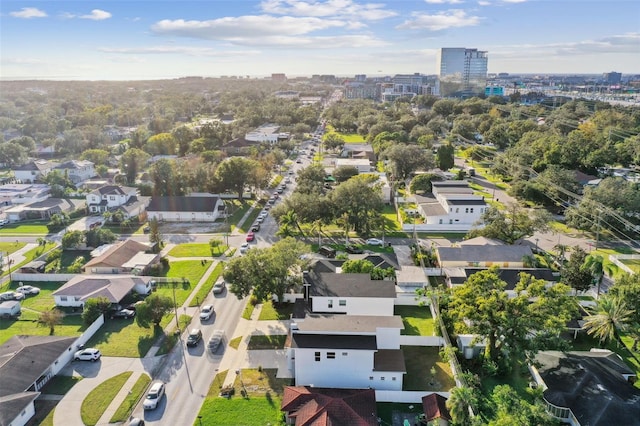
[426, 370]
[417, 320]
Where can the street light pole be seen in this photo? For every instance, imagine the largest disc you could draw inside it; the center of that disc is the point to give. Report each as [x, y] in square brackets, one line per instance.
[175, 306]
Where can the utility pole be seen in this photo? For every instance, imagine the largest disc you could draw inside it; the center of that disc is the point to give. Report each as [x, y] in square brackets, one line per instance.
[597, 228]
[175, 306]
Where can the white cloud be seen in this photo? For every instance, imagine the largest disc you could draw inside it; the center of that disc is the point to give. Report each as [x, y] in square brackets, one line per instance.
[444, 1]
[514, 1]
[28, 13]
[484, 3]
[244, 27]
[184, 50]
[623, 43]
[440, 21]
[96, 15]
[329, 8]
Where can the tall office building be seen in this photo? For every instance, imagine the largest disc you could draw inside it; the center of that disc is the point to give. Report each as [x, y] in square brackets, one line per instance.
[462, 72]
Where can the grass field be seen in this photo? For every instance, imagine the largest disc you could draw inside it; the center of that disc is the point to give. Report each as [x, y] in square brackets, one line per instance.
[348, 137]
[248, 310]
[28, 257]
[6, 247]
[270, 312]
[608, 263]
[260, 406]
[417, 320]
[126, 338]
[122, 413]
[419, 361]
[266, 342]
[235, 342]
[204, 290]
[238, 209]
[196, 250]
[43, 301]
[97, 401]
[34, 228]
[28, 324]
[246, 225]
[60, 385]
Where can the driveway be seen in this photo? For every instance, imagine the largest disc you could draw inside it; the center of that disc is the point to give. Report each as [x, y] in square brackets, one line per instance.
[93, 373]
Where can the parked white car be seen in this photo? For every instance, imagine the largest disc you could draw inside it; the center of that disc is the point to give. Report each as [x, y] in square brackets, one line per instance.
[11, 295]
[88, 354]
[28, 289]
[374, 242]
[206, 312]
[244, 248]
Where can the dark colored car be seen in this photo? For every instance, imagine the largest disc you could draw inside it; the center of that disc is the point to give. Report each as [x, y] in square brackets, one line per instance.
[195, 335]
[353, 249]
[255, 227]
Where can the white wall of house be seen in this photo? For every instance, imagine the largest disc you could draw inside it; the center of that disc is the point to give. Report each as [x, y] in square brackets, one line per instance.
[24, 416]
[143, 288]
[464, 213]
[388, 338]
[349, 369]
[354, 305]
[184, 216]
[113, 200]
[82, 173]
[105, 270]
[26, 176]
[68, 301]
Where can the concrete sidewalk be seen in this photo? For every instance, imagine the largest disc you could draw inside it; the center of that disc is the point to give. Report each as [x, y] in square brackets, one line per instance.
[119, 398]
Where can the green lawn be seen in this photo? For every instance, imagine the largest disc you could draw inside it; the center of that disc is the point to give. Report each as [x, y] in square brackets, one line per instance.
[348, 137]
[267, 342]
[205, 288]
[248, 310]
[246, 225]
[419, 360]
[28, 324]
[238, 209]
[35, 228]
[43, 301]
[171, 338]
[634, 264]
[417, 320]
[60, 385]
[391, 224]
[609, 264]
[196, 250]
[97, 401]
[28, 257]
[270, 312]
[122, 413]
[126, 338]
[6, 247]
[191, 270]
[235, 342]
[261, 406]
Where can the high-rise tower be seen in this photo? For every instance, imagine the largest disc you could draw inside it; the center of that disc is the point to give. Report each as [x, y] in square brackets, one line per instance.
[462, 72]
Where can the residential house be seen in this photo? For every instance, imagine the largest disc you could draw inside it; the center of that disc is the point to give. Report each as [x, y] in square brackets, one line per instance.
[126, 257]
[435, 410]
[347, 351]
[359, 151]
[587, 387]
[186, 209]
[43, 209]
[109, 197]
[363, 165]
[34, 170]
[82, 287]
[470, 345]
[27, 363]
[23, 193]
[483, 256]
[511, 276]
[306, 406]
[451, 207]
[77, 170]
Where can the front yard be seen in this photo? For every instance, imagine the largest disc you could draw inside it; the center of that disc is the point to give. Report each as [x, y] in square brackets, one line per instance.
[197, 250]
[255, 401]
[28, 324]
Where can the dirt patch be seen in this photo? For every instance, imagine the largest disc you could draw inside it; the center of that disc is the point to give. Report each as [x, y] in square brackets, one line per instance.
[192, 228]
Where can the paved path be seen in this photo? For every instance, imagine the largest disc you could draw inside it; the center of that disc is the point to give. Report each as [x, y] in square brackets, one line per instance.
[119, 398]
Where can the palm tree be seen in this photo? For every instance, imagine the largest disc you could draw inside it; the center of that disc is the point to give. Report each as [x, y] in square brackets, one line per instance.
[562, 250]
[288, 220]
[316, 226]
[594, 263]
[462, 399]
[529, 261]
[608, 316]
[344, 222]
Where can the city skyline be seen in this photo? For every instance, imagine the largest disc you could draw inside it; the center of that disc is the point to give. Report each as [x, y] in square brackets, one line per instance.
[166, 39]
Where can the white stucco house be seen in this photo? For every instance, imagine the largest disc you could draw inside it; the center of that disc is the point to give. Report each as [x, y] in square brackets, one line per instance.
[108, 197]
[266, 133]
[124, 257]
[186, 209]
[451, 207]
[347, 351]
[78, 170]
[483, 256]
[115, 287]
[33, 170]
[362, 164]
[23, 193]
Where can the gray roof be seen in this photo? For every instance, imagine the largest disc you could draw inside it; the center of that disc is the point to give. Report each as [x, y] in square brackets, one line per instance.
[114, 288]
[512, 276]
[591, 385]
[182, 204]
[348, 323]
[466, 201]
[433, 209]
[487, 253]
[328, 341]
[389, 360]
[12, 405]
[113, 189]
[450, 183]
[350, 285]
[23, 359]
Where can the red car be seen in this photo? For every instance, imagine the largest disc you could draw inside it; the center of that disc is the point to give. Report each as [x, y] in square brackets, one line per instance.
[251, 236]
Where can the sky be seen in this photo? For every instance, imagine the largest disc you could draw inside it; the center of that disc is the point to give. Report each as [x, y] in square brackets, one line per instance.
[151, 39]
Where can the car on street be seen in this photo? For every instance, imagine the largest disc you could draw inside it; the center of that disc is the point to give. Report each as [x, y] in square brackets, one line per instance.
[272, 200]
[136, 421]
[250, 237]
[276, 195]
[28, 289]
[259, 219]
[279, 191]
[11, 295]
[206, 312]
[374, 242]
[219, 287]
[195, 335]
[353, 249]
[255, 227]
[88, 354]
[154, 396]
[123, 314]
[215, 340]
[244, 248]
[263, 214]
[298, 161]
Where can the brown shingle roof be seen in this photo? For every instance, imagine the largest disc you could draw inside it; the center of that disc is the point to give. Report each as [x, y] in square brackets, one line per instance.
[435, 407]
[330, 407]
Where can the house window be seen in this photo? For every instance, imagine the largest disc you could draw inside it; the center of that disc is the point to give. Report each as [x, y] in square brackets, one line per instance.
[317, 356]
[331, 355]
[382, 378]
[393, 379]
[342, 302]
[63, 298]
[330, 304]
[345, 353]
[457, 210]
[450, 221]
[466, 210]
[370, 377]
[440, 222]
[471, 210]
[112, 197]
